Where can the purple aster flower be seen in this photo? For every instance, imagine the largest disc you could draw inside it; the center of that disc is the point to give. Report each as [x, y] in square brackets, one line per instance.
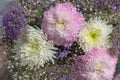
[62, 53]
[115, 37]
[14, 22]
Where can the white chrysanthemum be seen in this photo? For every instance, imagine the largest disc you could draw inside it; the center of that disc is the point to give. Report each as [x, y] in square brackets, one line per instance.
[95, 35]
[32, 48]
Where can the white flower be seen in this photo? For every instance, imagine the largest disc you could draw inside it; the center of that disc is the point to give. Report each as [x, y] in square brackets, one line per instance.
[32, 48]
[95, 35]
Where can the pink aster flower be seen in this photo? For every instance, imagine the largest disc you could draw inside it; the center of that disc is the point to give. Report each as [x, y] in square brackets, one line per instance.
[62, 24]
[97, 64]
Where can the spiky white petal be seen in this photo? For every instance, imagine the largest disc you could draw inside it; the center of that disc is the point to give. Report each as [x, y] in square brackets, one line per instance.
[95, 35]
[32, 48]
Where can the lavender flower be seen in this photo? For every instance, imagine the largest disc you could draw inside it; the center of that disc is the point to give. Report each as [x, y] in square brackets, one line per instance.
[14, 22]
[98, 5]
[49, 72]
[62, 53]
[107, 9]
[36, 9]
[111, 5]
[115, 37]
[62, 72]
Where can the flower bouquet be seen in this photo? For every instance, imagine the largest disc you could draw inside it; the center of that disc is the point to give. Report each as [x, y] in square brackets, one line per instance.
[62, 39]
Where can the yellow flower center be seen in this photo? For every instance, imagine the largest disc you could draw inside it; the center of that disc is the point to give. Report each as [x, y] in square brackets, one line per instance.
[60, 23]
[99, 69]
[94, 35]
[34, 46]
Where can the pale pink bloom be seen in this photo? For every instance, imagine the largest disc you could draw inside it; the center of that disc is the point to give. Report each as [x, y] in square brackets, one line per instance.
[97, 64]
[62, 23]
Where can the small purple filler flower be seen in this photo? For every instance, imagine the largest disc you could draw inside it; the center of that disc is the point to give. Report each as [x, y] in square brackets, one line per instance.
[115, 37]
[14, 22]
[62, 53]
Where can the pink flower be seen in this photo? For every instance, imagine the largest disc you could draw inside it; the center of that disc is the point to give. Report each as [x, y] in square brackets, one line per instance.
[97, 64]
[62, 24]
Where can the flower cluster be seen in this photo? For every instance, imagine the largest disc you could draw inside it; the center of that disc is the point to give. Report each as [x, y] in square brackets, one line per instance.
[14, 22]
[60, 40]
[108, 9]
[116, 40]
